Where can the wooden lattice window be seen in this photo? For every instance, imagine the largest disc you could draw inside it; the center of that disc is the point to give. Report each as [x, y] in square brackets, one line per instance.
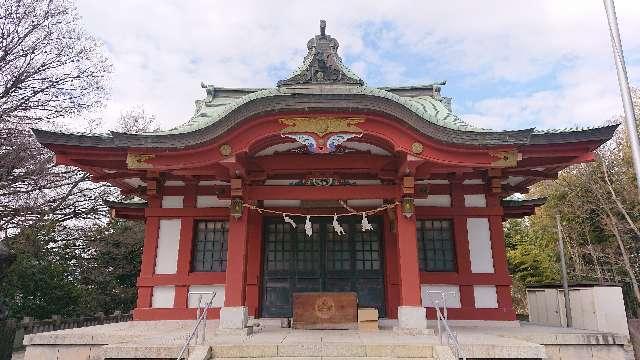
[436, 251]
[367, 255]
[210, 247]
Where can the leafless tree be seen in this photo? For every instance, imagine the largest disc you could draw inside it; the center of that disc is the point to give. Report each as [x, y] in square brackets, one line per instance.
[50, 69]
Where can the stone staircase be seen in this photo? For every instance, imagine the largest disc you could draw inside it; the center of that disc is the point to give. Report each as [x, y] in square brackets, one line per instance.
[291, 351]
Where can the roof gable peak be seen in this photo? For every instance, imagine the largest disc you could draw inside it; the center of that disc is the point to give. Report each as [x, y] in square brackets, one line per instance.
[322, 65]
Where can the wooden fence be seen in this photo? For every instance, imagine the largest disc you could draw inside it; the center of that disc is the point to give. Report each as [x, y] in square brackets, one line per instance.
[12, 332]
[7, 335]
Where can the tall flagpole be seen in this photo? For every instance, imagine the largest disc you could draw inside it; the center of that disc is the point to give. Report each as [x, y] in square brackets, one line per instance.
[623, 82]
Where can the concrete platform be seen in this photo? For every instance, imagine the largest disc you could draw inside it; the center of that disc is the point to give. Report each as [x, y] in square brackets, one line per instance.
[163, 339]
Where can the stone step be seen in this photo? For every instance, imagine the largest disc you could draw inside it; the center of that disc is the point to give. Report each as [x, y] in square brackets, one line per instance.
[324, 350]
[297, 351]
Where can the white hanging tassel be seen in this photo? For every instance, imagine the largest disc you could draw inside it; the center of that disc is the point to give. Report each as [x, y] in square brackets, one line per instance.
[336, 226]
[289, 220]
[307, 227]
[365, 223]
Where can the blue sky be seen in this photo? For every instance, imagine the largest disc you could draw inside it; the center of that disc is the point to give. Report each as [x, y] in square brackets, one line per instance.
[508, 64]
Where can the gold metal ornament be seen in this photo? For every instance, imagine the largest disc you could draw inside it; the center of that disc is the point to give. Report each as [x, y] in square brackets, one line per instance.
[408, 206]
[321, 125]
[417, 148]
[506, 158]
[139, 161]
[225, 149]
[236, 207]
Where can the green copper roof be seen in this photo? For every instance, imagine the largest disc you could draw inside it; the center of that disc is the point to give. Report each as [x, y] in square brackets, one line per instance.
[215, 107]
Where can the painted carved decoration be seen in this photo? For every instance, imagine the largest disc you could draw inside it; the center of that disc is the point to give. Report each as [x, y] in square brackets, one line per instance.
[139, 161]
[321, 182]
[321, 125]
[306, 140]
[337, 139]
[321, 134]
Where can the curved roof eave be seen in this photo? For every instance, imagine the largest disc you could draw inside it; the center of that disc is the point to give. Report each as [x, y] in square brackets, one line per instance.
[369, 103]
[251, 106]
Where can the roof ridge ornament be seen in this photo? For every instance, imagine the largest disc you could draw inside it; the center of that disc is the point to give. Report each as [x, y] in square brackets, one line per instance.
[322, 64]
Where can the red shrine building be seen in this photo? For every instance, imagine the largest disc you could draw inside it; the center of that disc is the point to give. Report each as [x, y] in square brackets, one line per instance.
[419, 195]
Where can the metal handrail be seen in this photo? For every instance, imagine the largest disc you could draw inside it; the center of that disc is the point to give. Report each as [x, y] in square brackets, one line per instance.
[442, 318]
[200, 316]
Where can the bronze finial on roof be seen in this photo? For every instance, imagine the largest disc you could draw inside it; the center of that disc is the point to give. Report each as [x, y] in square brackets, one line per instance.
[322, 65]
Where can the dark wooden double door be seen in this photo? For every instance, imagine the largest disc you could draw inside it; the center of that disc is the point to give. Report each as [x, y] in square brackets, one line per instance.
[325, 261]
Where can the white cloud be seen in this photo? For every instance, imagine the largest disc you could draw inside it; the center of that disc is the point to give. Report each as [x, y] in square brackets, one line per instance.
[162, 50]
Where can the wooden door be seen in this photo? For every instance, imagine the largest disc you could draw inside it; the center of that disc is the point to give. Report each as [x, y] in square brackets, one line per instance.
[326, 261]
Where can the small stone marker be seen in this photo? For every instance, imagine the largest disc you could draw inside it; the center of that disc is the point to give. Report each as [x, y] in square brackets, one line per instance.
[368, 319]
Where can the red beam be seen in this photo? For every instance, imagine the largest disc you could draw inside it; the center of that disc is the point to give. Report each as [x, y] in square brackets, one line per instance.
[222, 212]
[274, 192]
[533, 173]
[347, 162]
[435, 212]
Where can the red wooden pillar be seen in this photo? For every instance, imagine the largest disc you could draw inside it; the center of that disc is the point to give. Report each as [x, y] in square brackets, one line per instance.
[236, 275]
[392, 281]
[501, 269]
[408, 268]
[254, 262]
[184, 248]
[499, 254]
[149, 250]
[461, 238]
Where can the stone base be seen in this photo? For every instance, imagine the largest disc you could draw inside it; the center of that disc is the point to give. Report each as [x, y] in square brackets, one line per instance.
[412, 317]
[237, 332]
[413, 332]
[235, 317]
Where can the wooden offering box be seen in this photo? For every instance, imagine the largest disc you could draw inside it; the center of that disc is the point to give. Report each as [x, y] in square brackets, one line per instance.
[325, 310]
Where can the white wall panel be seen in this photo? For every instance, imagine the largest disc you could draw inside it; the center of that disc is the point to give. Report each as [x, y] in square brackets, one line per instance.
[162, 296]
[453, 300]
[205, 201]
[485, 296]
[480, 245]
[167, 251]
[365, 203]
[435, 200]
[475, 200]
[282, 203]
[174, 183]
[172, 202]
[218, 301]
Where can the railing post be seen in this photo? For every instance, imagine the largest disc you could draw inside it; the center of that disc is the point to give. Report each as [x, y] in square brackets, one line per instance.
[100, 318]
[56, 320]
[27, 324]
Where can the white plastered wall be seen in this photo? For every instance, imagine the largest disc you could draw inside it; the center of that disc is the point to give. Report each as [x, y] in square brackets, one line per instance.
[206, 201]
[452, 294]
[475, 200]
[172, 202]
[485, 296]
[480, 245]
[218, 300]
[163, 296]
[435, 200]
[168, 242]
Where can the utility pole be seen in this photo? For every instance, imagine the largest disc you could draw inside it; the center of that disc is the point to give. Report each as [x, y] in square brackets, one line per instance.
[623, 82]
[565, 281]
